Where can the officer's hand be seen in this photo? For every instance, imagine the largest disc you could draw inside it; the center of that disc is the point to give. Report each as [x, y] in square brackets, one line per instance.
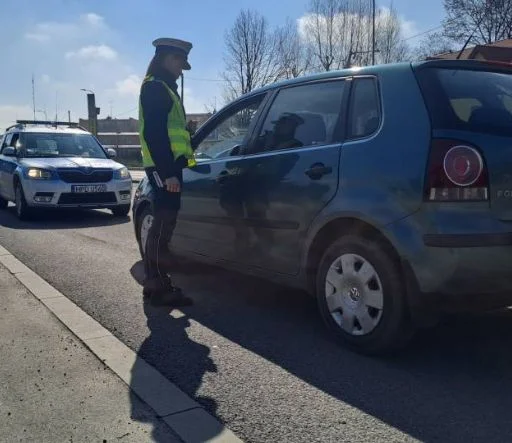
[172, 185]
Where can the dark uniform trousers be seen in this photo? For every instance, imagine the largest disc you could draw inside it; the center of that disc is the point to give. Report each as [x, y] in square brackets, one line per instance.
[157, 257]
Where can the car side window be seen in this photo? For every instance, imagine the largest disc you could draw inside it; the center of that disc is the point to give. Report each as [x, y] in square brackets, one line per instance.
[302, 116]
[230, 130]
[7, 141]
[364, 108]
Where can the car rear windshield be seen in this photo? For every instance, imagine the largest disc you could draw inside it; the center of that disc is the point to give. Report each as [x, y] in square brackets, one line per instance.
[41, 144]
[468, 100]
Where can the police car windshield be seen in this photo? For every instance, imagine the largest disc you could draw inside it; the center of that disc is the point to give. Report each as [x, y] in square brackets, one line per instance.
[41, 144]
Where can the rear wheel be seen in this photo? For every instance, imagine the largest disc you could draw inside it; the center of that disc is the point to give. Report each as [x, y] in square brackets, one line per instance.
[23, 211]
[121, 211]
[361, 296]
[144, 222]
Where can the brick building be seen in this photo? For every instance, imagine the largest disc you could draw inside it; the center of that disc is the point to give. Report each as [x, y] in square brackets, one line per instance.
[500, 51]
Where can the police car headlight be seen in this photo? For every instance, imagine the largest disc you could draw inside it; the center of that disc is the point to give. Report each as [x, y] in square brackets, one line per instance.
[39, 174]
[123, 174]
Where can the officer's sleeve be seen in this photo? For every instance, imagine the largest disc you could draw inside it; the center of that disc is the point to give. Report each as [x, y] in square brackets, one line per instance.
[156, 105]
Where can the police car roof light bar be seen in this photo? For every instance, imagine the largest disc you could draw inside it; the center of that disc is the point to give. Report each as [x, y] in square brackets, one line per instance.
[48, 123]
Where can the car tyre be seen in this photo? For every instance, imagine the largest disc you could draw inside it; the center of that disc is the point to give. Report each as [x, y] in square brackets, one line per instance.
[121, 211]
[362, 297]
[23, 211]
[3, 203]
[144, 222]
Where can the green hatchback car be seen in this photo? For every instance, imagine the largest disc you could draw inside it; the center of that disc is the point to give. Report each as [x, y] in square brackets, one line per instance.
[386, 192]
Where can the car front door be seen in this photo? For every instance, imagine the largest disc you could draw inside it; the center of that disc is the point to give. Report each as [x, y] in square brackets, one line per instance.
[8, 165]
[210, 187]
[290, 172]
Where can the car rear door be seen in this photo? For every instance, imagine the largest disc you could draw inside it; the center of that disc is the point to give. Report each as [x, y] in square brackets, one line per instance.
[290, 172]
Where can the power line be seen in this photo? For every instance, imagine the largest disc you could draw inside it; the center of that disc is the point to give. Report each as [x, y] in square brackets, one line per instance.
[428, 31]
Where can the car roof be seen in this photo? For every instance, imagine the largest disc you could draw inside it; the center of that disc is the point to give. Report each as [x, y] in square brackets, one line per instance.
[366, 70]
[376, 69]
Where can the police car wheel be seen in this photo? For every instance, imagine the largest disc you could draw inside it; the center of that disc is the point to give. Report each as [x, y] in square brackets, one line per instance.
[23, 211]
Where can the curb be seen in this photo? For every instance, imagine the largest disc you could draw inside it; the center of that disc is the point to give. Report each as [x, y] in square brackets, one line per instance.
[180, 412]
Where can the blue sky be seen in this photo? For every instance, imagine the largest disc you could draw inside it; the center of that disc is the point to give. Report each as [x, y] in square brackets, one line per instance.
[105, 45]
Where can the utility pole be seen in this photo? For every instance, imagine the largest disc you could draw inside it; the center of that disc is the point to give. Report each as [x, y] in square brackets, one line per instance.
[33, 96]
[92, 111]
[69, 116]
[373, 32]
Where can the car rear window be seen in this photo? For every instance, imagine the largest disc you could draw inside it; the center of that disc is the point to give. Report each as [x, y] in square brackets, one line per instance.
[468, 100]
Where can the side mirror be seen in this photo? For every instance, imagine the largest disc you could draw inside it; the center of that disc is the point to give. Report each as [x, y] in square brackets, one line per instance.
[111, 152]
[9, 151]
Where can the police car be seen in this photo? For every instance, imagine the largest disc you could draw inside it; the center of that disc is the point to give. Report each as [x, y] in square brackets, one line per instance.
[60, 165]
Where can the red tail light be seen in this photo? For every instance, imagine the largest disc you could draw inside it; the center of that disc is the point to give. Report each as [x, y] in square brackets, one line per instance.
[456, 172]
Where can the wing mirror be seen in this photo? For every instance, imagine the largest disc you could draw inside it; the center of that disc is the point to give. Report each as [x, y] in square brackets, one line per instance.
[111, 152]
[9, 151]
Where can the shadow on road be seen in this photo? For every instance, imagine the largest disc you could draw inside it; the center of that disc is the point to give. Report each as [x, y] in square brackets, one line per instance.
[453, 384]
[169, 344]
[61, 219]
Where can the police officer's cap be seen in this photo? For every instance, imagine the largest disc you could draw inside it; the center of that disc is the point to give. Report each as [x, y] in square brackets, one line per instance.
[174, 46]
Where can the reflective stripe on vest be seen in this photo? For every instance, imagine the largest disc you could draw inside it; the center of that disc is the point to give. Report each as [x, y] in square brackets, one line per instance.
[176, 124]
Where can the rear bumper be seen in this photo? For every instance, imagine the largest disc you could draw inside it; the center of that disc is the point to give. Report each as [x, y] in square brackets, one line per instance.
[457, 252]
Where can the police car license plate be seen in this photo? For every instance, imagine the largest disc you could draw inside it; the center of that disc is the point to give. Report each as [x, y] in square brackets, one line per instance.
[81, 189]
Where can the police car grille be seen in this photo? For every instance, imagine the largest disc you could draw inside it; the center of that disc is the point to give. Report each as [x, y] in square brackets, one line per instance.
[87, 199]
[77, 176]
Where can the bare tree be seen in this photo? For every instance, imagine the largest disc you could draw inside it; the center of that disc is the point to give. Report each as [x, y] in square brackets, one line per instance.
[340, 33]
[389, 38]
[479, 21]
[294, 55]
[322, 27]
[434, 44]
[250, 57]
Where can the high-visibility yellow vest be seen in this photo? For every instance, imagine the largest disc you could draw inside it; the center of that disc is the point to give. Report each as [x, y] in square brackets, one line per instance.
[176, 129]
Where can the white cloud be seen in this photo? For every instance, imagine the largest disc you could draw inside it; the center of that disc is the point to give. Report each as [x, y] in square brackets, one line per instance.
[10, 113]
[92, 52]
[93, 19]
[45, 31]
[192, 103]
[37, 37]
[130, 86]
[45, 79]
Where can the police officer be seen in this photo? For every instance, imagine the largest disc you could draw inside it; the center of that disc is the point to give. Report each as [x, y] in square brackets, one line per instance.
[166, 150]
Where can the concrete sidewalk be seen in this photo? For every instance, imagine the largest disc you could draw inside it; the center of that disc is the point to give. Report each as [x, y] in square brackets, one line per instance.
[54, 389]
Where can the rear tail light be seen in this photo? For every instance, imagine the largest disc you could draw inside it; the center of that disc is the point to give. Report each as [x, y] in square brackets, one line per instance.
[456, 172]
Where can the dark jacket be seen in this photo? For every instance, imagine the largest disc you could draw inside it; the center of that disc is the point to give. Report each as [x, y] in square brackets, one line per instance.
[156, 105]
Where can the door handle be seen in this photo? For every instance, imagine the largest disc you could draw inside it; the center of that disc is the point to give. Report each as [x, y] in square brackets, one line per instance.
[317, 171]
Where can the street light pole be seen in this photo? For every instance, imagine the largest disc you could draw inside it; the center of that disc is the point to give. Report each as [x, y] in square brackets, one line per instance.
[93, 111]
[373, 32]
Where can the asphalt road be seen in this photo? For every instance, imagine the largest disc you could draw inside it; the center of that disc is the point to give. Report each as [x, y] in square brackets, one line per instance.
[257, 355]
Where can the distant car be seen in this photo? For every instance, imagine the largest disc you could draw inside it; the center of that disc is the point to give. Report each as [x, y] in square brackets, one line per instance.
[384, 191]
[46, 165]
